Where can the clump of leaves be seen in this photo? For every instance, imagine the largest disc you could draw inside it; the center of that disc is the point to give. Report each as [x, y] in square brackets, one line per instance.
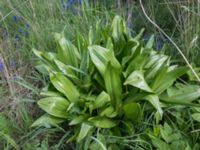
[165, 137]
[100, 83]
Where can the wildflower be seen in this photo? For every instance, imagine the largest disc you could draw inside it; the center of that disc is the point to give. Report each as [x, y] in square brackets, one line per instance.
[20, 30]
[17, 37]
[27, 26]
[15, 18]
[71, 2]
[1, 66]
[159, 44]
[67, 4]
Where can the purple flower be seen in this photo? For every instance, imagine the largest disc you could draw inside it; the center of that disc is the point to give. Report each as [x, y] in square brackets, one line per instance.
[159, 44]
[66, 4]
[15, 18]
[1, 66]
[17, 37]
[27, 26]
[20, 30]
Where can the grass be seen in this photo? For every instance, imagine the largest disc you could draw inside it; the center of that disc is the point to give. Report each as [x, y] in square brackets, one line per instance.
[18, 103]
[21, 83]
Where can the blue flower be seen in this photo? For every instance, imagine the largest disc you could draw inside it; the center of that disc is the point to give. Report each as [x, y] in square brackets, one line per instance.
[15, 18]
[27, 26]
[20, 30]
[159, 44]
[67, 4]
[17, 37]
[1, 66]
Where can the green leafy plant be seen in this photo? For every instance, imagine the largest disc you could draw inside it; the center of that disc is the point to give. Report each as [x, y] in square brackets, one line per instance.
[165, 137]
[104, 83]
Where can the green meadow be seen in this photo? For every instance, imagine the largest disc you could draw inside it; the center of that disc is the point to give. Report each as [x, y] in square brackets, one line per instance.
[99, 75]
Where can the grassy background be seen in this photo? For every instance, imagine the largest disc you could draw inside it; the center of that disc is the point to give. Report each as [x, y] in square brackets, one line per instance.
[28, 24]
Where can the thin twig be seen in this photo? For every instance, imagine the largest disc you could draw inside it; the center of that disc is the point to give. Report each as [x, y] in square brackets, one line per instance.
[175, 45]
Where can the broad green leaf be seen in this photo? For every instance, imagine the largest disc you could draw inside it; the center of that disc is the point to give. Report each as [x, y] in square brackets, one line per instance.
[150, 42]
[78, 120]
[109, 44]
[113, 86]
[5, 124]
[70, 71]
[101, 56]
[42, 68]
[168, 135]
[129, 49]
[49, 56]
[109, 112]
[137, 37]
[154, 64]
[85, 129]
[156, 59]
[102, 99]
[165, 132]
[154, 100]
[180, 144]
[67, 52]
[50, 94]
[65, 69]
[46, 58]
[38, 53]
[47, 120]
[102, 122]
[166, 78]
[196, 117]
[183, 95]
[135, 96]
[91, 36]
[99, 142]
[65, 86]
[44, 55]
[137, 62]
[132, 111]
[158, 143]
[137, 80]
[55, 106]
[118, 28]
[85, 63]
